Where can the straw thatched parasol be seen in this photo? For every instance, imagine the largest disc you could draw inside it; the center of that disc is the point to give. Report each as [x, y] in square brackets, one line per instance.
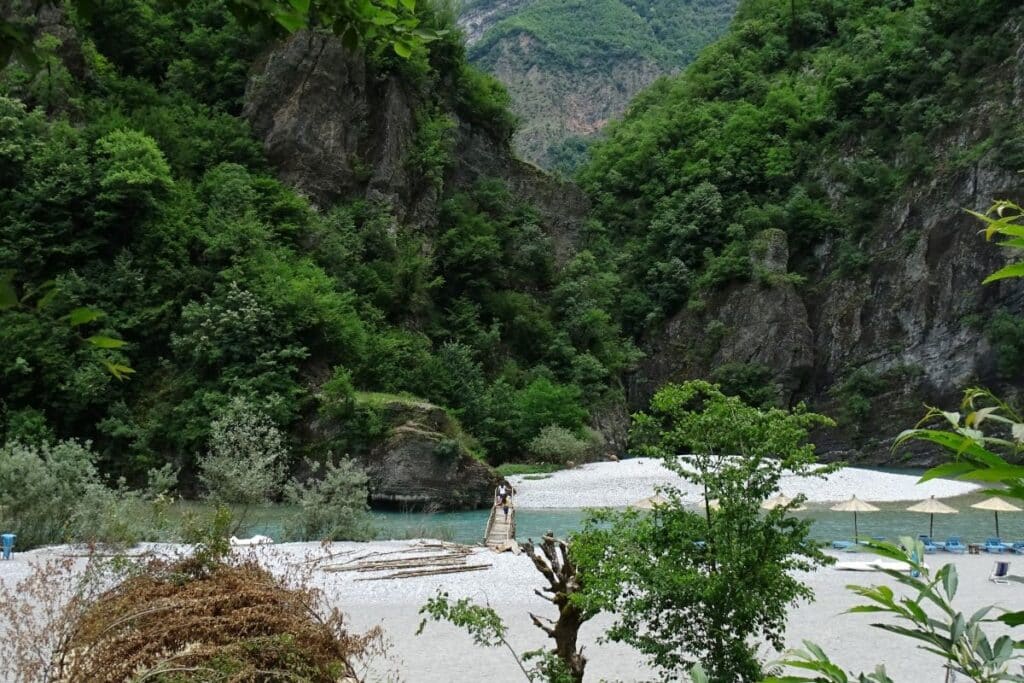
[932, 507]
[650, 502]
[854, 505]
[996, 505]
[779, 501]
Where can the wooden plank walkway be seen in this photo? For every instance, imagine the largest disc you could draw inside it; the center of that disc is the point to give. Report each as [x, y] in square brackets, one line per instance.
[501, 531]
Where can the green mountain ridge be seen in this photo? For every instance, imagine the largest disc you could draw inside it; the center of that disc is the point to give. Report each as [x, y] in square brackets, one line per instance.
[572, 66]
[788, 213]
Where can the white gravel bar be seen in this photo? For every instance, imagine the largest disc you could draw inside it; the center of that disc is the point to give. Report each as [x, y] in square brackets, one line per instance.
[444, 654]
[617, 484]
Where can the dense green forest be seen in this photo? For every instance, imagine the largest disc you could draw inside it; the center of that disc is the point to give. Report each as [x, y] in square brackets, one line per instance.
[658, 30]
[131, 186]
[810, 117]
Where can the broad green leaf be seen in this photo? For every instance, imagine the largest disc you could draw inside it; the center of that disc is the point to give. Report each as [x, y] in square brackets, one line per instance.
[83, 315]
[1012, 618]
[384, 18]
[1013, 270]
[402, 49]
[410, 5]
[103, 342]
[300, 6]
[290, 20]
[119, 371]
[950, 581]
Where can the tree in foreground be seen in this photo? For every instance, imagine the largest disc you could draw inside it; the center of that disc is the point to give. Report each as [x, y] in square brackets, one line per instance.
[563, 664]
[697, 587]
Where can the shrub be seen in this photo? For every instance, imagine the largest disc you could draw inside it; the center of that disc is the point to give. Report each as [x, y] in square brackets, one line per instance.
[246, 458]
[333, 507]
[543, 402]
[558, 444]
[41, 486]
[752, 382]
[123, 517]
[1005, 332]
[854, 394]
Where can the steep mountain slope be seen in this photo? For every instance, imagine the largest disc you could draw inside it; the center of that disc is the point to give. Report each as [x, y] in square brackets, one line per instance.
[788, 212]
[341, 238]
[573, 65]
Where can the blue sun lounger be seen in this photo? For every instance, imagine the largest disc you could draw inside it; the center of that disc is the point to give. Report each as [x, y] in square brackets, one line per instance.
[953, 545]
[995, 545]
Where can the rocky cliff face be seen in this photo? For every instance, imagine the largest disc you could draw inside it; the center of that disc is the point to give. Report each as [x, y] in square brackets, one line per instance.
[335, 131]
[764, 322]
[908, 329]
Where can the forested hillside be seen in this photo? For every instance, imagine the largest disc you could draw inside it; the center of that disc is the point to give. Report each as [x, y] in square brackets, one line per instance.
[132, 184]
[195, 214]
[573, 65]
[787, 215]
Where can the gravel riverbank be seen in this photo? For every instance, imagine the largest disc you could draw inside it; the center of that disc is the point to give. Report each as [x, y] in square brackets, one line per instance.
[443, 654]
[617, 484]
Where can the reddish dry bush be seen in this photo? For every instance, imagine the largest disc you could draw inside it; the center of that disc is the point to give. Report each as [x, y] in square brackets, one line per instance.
[231, 623]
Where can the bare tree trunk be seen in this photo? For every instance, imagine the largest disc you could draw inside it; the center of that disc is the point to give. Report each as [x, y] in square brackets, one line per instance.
[554, 563]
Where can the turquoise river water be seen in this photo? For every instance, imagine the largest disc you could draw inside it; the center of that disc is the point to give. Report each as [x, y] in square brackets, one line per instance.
[890, 522]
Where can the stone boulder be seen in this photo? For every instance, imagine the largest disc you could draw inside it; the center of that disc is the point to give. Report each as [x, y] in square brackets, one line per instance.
[423, 463]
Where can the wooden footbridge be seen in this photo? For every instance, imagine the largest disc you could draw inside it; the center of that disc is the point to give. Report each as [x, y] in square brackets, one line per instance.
[500, 534]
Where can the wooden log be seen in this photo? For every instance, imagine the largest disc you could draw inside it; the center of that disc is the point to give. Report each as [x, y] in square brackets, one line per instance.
[435, 572]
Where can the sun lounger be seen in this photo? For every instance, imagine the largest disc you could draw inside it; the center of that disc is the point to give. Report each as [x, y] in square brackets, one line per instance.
[842, 545]
[995, 545]
[999, 572]
[953, 545]
[930, 546]
[1018, 548]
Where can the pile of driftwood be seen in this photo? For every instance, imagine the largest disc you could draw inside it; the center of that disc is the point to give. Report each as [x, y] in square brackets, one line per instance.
[426, 559]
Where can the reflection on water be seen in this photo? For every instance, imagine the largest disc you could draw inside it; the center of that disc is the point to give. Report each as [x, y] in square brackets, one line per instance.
[892, 521]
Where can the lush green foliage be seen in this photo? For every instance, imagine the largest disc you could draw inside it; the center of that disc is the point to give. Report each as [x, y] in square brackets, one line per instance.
[131, 186]
[655, 30]
[51, 493]
[670, 576]
[807, 117]
[558, 444]
[392, 22]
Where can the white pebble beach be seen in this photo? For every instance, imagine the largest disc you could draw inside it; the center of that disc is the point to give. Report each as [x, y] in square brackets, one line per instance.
[617, 484]
[443, 654]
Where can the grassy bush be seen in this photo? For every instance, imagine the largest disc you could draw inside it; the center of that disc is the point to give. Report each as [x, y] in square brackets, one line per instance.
[558, 444]
[332, 506]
